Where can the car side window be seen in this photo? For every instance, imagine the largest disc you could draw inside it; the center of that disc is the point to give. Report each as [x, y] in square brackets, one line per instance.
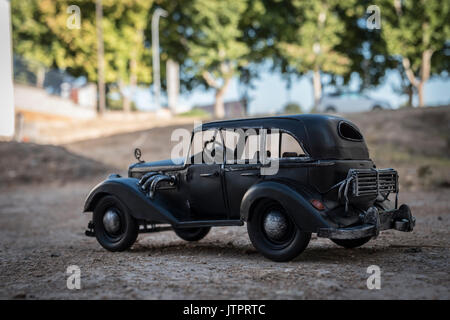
[207, 147]
[250, 153]
[231, 139]
[273, 144]
[290, 147]
[243, 146]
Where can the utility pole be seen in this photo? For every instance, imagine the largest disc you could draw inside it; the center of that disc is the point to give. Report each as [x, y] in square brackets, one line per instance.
[100, 57]
[155, 53]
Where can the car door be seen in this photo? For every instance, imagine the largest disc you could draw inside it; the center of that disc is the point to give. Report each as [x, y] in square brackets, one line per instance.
[204, 179]
[242, 166]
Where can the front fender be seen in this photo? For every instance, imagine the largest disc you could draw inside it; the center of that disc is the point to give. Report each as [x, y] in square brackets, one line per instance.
[304, 215]
[127, 190]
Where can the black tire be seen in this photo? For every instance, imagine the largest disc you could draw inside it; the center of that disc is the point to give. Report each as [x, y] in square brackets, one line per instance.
[128, 228]
[351, 243]
[192, 234]
[288, 245]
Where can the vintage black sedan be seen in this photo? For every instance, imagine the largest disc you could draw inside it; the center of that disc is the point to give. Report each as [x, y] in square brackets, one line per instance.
[285, 177]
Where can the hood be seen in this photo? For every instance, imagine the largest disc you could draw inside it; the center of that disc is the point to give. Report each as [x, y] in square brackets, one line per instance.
[162, 165]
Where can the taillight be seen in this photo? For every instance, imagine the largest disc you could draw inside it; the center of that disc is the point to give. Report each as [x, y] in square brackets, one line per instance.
[317, 204]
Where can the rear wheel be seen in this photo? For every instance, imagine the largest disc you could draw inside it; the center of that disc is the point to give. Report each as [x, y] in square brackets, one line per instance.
[192, 234]
[114, 228]
[351, 243]
[274, 234]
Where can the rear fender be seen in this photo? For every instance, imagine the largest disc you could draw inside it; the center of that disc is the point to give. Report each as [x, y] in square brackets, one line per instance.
[304, 215]
[128, 191]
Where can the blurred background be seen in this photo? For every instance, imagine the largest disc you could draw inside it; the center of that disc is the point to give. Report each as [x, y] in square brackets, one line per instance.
[84, 82]
[80, 58]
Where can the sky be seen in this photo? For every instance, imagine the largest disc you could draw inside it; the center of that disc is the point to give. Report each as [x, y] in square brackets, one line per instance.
[270, 94]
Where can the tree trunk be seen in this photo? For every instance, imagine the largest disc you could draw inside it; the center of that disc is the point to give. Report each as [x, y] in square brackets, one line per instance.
[133, 83]
[317, 86]
[219, 107]
[420, 93]
[410, 93]
[40, 78]
[126, 103]
[424, 75]
[100, 58]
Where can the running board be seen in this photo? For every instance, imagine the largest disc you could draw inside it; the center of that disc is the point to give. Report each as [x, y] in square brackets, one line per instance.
[208, 223]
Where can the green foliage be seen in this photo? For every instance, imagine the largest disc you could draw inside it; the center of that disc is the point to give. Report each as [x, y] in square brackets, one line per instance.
[313, 45]
[125, 52]
[215, 40]
[117, 104]
[216, 47]
[417, 34]
[195, 112]
[415, 27]
[292, 108]
[40, 33]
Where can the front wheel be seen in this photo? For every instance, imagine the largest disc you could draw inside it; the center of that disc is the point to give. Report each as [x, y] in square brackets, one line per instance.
[274, 234]
[351, 243]
[192, 234]
[114, 228]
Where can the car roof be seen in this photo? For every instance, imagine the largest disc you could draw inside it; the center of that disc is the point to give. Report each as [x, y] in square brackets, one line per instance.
[318, 133]
[279, 119]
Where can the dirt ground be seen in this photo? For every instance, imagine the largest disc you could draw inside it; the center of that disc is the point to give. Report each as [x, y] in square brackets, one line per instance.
[42, 233]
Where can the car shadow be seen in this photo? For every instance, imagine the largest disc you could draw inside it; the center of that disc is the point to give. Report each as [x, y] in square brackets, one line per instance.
[323, 253]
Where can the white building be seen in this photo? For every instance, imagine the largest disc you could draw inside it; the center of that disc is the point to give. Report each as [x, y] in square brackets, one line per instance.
[6, 75]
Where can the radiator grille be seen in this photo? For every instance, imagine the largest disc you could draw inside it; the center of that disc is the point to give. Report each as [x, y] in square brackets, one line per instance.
[366, 182]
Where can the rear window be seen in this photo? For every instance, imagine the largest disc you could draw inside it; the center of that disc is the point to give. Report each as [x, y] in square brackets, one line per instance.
[290, 147]
[349, 132]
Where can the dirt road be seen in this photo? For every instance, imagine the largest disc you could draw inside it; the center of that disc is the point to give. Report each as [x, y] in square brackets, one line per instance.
[41, 234]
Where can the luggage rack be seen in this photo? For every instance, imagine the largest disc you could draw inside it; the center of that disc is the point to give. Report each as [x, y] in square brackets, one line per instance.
[368, 182]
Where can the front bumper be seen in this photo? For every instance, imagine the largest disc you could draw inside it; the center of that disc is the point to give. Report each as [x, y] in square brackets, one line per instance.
[373, 221]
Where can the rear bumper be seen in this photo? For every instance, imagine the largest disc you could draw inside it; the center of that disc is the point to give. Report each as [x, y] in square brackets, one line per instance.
[372, 222]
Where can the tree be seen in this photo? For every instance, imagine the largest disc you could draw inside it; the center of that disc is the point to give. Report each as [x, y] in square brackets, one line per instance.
[216, 48]
[313, 47]
[365, 48]
[31, 37]
[74, 50]
[414, 31]
[41, 33]
[100, 56]
[127, 56]
[292, 108]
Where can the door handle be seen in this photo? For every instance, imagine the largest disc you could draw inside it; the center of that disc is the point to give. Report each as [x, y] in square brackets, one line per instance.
[209, 175]
[250, 174]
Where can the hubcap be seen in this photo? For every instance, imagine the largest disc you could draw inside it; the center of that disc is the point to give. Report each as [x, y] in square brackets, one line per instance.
[275, 225]
[111, 221]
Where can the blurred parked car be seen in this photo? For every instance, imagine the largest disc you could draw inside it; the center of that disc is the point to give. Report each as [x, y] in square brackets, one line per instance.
[350, 102]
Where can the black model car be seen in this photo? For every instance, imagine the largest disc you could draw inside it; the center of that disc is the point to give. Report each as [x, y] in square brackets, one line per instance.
[286, 177]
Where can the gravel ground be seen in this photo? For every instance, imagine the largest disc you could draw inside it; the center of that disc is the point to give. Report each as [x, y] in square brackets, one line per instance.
[42, 191]
[42, 234]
